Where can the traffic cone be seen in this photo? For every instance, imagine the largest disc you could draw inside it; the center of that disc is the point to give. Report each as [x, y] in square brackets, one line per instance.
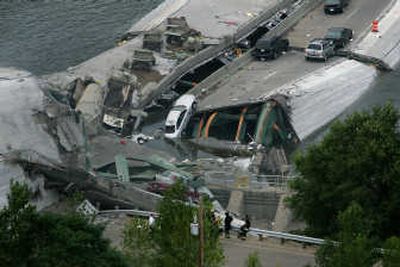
[374, 26]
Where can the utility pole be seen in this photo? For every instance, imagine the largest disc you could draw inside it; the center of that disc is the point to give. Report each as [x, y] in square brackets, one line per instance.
[201, 234]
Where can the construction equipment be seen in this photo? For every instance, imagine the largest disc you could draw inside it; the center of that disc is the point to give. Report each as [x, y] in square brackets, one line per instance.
[143, 59]
[153, 41]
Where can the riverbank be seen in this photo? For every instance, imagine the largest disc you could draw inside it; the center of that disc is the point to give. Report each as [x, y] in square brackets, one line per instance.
[212, 19]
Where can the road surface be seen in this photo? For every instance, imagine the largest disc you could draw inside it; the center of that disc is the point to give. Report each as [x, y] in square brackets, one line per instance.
[271, 253]
[257, 79]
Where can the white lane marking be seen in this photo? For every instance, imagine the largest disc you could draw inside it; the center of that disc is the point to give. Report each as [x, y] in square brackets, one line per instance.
[352, 13]
[269, 75]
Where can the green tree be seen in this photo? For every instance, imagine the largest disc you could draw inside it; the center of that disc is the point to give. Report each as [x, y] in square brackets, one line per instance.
[171, 243]
[16, 242]
[29, 238]
[353, 247]
[391, 256]
[253, 260]
[138, 243]
[358, 160]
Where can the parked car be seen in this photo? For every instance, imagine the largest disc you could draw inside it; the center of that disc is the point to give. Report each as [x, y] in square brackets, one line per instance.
[335, 6]
[320, 49]
[244, 44]
[281, 14]
[267, 48]
[340, 36]
[179, 116]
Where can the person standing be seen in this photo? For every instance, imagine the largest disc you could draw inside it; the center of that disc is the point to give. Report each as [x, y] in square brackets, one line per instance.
[227, 224]
[152, 221]
[245, 228]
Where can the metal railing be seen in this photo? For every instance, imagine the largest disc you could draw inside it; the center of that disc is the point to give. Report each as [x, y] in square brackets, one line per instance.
[253, 231]
[265, 182]
[286, 236]
[139, 213]
[246, 29]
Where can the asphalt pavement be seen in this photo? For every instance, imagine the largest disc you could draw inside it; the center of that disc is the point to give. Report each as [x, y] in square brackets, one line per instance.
[258, 79]
[270, 252]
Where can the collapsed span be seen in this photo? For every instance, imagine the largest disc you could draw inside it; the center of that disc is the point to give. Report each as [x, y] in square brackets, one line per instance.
[265, 123]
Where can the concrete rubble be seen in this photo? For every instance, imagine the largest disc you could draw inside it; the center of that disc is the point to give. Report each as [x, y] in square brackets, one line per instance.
[74, 111]
[79, 130]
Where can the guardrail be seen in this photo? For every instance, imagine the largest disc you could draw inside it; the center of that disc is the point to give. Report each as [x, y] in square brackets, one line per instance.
[259, 182]
[205, 87]
[246, 29]
[253, 231]
[378, 63]
[286, 236]
[183, 68]
[140, 213]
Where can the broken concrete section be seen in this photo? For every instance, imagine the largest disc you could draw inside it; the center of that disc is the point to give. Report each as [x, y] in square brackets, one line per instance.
[260, 129]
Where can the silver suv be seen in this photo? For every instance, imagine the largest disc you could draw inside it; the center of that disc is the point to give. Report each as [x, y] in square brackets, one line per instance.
[320, 49]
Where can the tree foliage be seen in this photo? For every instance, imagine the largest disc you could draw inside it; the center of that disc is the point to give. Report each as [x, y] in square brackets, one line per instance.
[353, 247]
[29, 238]
[253, 260]
[358, 160]
[170, 242]
[138, 243]
[391, 256]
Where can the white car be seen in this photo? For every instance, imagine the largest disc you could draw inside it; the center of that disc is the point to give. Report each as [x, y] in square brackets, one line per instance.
[179, 116]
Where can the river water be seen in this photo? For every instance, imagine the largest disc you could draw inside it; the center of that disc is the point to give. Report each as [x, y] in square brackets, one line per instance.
[46, 36]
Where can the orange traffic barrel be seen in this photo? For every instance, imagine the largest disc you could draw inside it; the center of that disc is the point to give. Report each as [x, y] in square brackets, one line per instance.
[374, 26]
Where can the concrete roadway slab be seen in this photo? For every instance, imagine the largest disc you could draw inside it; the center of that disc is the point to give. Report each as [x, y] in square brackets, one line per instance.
[258, 79]
[384, 44]
[223, 17]
[357, 16]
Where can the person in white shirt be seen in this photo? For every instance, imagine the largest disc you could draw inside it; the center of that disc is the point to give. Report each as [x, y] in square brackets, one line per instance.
[152, 221]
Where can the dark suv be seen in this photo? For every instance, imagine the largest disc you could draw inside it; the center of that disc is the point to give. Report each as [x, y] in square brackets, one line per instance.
[340, 36]
[335, 6]
[267, 48]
